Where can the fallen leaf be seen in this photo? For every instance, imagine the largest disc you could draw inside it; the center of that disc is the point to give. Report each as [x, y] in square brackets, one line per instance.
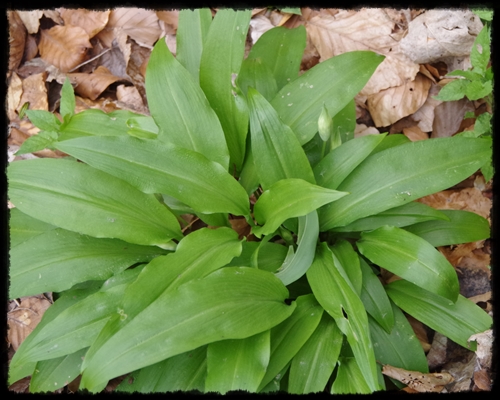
[363, 130]
[92, 85]
[437, 353]
[390, 105]
[420, 332]
[14, 93]
[31, 19]
[30, 48]
[482, 380]
[17, 39]
[462, 372]
[168, 19]
[418, 381]
[424, 116]
[437, 34]
[35, 92]
[64, 46]
[484, 347]
[130, 96]
[414, 133]
[259, 25]
[21, 386]
[448, 116]
[90, 20]
[241, 226]
[54, 16]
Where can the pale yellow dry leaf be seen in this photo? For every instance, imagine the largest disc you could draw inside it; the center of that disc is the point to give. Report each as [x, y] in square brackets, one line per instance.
[390, 105]
[31, 19]
[418, 381]
[54, 16]
[64, 46]
[425, 114]
[92, 85]
[17, 39]
[131, 97]
[138, 23]
[91, 21]
[257, 11]
[14, 93]
[35, 92]
[366, 29]
[22, 320]
[414, 133]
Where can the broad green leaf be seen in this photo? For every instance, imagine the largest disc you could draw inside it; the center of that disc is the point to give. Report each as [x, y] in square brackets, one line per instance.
[313, 365]
[79, 198]
[375, 298]
[217, 219]
[341, 161]
[480, 52]
[401, 174]
[458, 321]
[476, 90]
[314, 150]
[412, 258]
[466, 74]
[68, 103]
[454, 90]
[350, 379]
[191, 33]
[185, 372]
[23, 227]
[94, 122]
[220, 64]
[270, 257]
[297, 262]
[349, 262]
[40, 141]
[249, 178]
[391, 141]
[300, 102]
[142, 127]
[180, 108]
[485, 14]
[488, 171]
[280, 49]
[155, 167]
[399, 348]
[407, 214]
[337, 296]
[289, 198]
[237, 364]
[462, 227]
[276, 151]
[288, 337]
[58, 259]
[45, 120]
[254, 73]
[230, 303]
[344, 122]
[50, 375]
[291, 10]
[278, 382]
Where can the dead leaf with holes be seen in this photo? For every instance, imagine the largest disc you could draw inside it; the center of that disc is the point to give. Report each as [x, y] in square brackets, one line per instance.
[90, 20]
[366, 29]
[23, 319]
[92, 85]
[390, 105]
[64, 47]
[418, 381]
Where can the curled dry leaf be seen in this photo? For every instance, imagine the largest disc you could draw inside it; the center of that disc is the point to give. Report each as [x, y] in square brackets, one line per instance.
[390, 105]
[482, 380]
[64, 46]
[366, 29]
[131, 97]
[417, 380]
[31, 19]
[17, 39]
[92, 85]
[437, 34]
[484, 347]
[259, 25]
[168, 19]
[448, 117]
[23, 319]
[462, 371]
[437, 353]
[425, 114]
[54, 16]
[414, 133]
[91, 21]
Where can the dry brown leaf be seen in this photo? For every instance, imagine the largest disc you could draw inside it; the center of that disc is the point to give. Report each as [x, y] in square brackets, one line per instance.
[363, 130]
[241, 226]
[54, 16]
[23, 319]
[437, 34]
[138, 23]
[92, 85]
[425, 114]
[390, 105]
[17, 39]
[35, 92]
[437, 353]
[14, 93]
[169, 20]
[417, 380]
[31, 19]
[482, 380]
[366, 29]
[448, 116]
[484, 347]
[462, 371]
[21, 386]
[64, 46]
[131, 97]
[414, 133]
[90, 20]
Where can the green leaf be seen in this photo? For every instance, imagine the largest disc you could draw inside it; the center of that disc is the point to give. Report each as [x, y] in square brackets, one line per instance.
[407, 214]
[391, 141]
[298, 262]
[68, 103]
[155, 167]
[289, 198]
[276, 151]
[185, 372]
[375, 298]
[231, 303]
[349, 261]
[142, 127]
[487, 171]
[455, 90]
[291, 10]
[280, 49]
[313, 365]
[403, 173]
[412, 258]
[58, 259]
[350, 379]
[400, 346]
[458, 321]
[45, 120]
[256, 74]
[23, 227]
[180, 108]
[341, 161]
[336, 295]
[220, 64]
[477, 89]
[344, 122]
[470, 75]
[79, 198]
[42, 140]
[237, 364]
[485, 14]
[192, 30]
[270, 255]
[249, 178]
[288, 337]
[299, 103]
[462, 227]
[480, 52]
[53, 374]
